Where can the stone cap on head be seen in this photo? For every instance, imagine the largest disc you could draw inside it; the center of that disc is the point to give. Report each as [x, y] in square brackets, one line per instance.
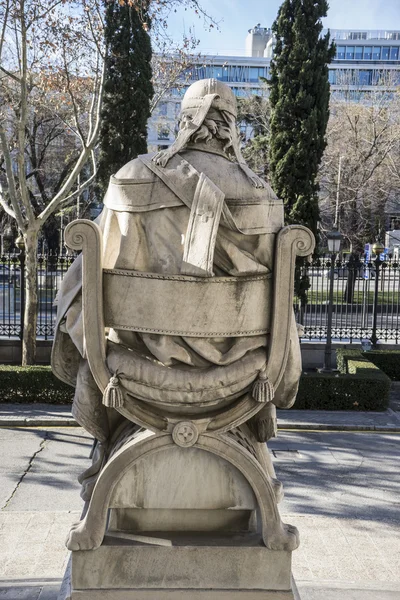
[194, 96]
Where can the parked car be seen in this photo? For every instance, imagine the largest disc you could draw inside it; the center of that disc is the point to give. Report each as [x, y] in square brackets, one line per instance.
[361, 272]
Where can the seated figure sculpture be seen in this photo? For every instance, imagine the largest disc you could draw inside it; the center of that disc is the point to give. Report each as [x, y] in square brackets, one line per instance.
[176, 328]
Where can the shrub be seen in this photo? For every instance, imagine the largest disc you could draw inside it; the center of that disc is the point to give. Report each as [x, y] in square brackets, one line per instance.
[368, 389]
[386, 360]
[343, 355]
[33, 384]
[361, 367]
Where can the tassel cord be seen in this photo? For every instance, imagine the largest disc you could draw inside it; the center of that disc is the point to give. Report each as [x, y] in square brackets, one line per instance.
[263, 390]
[113, 396]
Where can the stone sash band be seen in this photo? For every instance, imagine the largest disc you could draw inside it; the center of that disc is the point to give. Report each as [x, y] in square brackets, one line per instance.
[187, 306]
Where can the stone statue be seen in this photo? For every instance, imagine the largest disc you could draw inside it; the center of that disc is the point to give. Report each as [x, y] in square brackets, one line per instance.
[176, 327]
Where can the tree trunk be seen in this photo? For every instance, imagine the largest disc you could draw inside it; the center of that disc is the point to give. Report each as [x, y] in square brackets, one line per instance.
[31, 299]
[352, 274]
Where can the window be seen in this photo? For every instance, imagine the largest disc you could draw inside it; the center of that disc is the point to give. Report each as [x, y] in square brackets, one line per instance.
[177, 109]
[238, 73]
[332, 77]
[365, 77]
[378, 77]
[163, 132]
[340, 53]
[201, 73]
[394, 222]
[385, 53]
[163, 109]
[358, 53]
[367, 52]
[350, 52]
[394, 53]
[217, 72]
[358, 35]
[376, 54]
[253, 74]
[225, 74]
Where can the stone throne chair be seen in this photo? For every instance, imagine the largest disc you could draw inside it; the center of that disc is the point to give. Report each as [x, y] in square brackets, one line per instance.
[186, 504]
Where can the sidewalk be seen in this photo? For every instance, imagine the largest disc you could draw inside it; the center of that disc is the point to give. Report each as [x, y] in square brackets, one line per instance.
[341, 491]
[52, 415]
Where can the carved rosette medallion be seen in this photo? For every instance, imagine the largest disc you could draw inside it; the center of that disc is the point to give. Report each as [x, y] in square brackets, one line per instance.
[185, 434]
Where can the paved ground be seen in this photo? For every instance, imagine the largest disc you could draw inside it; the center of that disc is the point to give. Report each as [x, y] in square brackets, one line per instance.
[39, 499]
[50, 415]
[342, 491]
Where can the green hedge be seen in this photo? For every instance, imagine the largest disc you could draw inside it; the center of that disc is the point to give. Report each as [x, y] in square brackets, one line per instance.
[387, 361]
[343, 355]
[362, 367]
[366, 390]
[32, 385]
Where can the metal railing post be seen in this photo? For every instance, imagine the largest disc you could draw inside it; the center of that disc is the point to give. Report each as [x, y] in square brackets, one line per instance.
[374, 339]
[328, 346]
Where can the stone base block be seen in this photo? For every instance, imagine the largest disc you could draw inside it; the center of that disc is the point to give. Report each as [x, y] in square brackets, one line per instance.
[195, 566]
[188, 594]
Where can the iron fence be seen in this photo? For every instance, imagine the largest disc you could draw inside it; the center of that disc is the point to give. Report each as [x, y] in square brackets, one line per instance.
[50, 272]
[363, 295]
[366, 300]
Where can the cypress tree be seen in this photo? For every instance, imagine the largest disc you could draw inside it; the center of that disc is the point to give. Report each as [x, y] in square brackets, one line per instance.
[299, 96]
[128, 88]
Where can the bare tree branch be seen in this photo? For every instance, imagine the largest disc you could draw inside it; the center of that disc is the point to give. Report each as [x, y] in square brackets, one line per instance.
[10, 179]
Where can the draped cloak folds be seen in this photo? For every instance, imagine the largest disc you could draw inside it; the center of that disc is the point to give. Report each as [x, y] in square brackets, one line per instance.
[144, 223]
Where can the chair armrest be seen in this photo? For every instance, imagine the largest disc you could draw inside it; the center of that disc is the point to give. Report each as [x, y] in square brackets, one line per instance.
[85, 235]
[292, 241]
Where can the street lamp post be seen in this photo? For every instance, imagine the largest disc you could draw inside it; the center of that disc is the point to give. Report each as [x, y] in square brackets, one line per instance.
[334, 240]
[377, 249]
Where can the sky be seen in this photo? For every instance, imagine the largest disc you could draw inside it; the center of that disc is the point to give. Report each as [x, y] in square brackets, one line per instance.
[235, 17]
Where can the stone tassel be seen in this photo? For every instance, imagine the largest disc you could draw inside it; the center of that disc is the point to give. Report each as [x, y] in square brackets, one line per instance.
[263, 390]
[113, 396]
[267, 425]
[264, 424]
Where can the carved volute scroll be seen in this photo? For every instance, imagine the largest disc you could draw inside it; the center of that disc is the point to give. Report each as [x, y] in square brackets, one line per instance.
[292, 241]
[87, 236]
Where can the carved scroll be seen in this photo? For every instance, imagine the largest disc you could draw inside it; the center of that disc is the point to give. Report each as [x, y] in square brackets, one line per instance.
[86, 236]
[292, 241]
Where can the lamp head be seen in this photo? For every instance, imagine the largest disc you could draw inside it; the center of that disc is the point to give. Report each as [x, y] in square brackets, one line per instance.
[378, 248]
[334, 238]
[19, 242]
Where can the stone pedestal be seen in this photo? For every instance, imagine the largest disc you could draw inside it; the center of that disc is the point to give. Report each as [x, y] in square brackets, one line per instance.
[188, 566]
[172, 522]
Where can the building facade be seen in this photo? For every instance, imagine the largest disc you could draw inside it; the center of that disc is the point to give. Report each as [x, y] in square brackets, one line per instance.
[364, 61]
